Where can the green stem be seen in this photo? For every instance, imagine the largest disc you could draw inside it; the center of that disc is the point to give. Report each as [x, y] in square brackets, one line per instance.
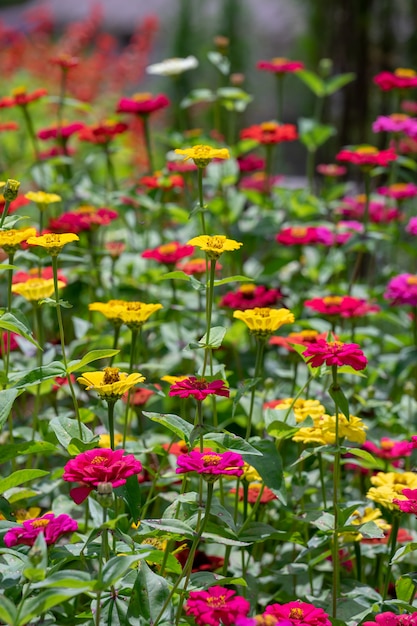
[5, 212]
[115, 341]
[260, 345]
[322, 483]
[393, 544]
[148, 143]
[367, 182]
[201, 198]
[336, 477]
[133, 342]
[110, 412]
[209, 311]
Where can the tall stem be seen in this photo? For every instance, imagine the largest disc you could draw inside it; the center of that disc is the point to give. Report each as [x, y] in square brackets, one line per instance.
[5, 212]
[209, 311]
[393, 544]
[148, 142]
[336, 477]
[260, 345]
[201, 198]
[134, 336]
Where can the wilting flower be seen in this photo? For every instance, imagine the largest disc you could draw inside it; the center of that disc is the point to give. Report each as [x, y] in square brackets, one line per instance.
[341, 306]
[110, 383]
[302, 337]
[101, 465]
[280, 65]
[50, 525]
[367, 156]
[198, 388]
[402, 289]
[399, 191]
[142, 103]
[335, 353]
[270, 132]
[216, 605]
[35, 289]
[324, 430]
[211, 463]
[11, 240]
[249, 296]
[332, 170]
[53, 242]
[169, 253]
[299, 613]
[301, 408]
[173, 67]
[305, 235]
[214, 245]
[389, 486]
[401, 78]
[264, 321]
[203, 154]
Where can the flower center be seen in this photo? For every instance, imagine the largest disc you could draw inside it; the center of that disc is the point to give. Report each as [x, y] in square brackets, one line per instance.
[141, 97]
[167, 248]
[296, 613]
[19, 91]
[40, 523]
[269, 127]
[202, 152]
[403, 72]
[111, 375]
[262, 311]
[332, 300]
[279, 60]
[298, 231]
[387, 444]
[211, 459]
[98, 459]
[216, 242]
[366, 150]
[216, 602]
[412, 280]
[134, 306]
[334, 345]
[52, 238]
[247, 289]
[399, 117]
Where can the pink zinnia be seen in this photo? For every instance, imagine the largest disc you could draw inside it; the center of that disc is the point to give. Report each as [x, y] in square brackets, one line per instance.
[55, 132]
[251, 296]
[216, 605]
[399, 79]
[211, 463]
[169, 253]
[250, 163]
[412, 226]
[388, 449]
[399, 191]
[385, 619]
[410, 505]
[341, 306]
[332, 170]
[299, 614]
[367, 156]
[101, 465]
[142, 104]
[280, 65]
[402, 289]
[198, 388]
[305, 235]
[394, 123]
[51, 526]
[335, 353]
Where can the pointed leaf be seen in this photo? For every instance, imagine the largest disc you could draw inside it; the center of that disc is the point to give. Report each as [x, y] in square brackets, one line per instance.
[340, 399]
[7, 611]
[19, 477]
[313, 82]
[38, 375]
[238, 278]
[149, 594]
[269, 466]
[67, 429]
[9, 322]
[216, 336]
[173, 422]
[337, 82]
[117, 566]
[93, 355]
[12, 450]
[7, 398]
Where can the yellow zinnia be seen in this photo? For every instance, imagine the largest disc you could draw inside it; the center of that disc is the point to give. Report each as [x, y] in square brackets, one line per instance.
[388, 486]
[301, 408]
[202, 154]
[53, 242]
[10, 240]
[110, 309]
[263, 321]
[110, 384]
[324, 430]
[250, 473]
[369, 515]
[135, 314]
[41, 198]
[214, 246]
[35, 289]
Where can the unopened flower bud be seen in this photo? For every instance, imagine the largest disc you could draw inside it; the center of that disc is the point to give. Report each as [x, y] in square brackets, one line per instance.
[237, 79]
[105, 494]
[325, 67]
[11, 189]
[222, 43]
[35, 555]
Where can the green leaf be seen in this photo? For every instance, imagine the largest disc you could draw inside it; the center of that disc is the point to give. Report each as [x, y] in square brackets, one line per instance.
[117, 566]
[314, 135]
[7, 398]
[177, 275]
[372, 461]
[196, 96]
[93, 355]
[6, 266]
[371, 531]
[174, 423]
[8, 611]
[171, 526]
[269, 466]
[66, 429]
[313, 82]
[9, 322]
[19, 477]
[40, 604]
[215, 337]
[69, 579]
[404, 587]
[220, 61]
[52, 302]
[409, 547]
[38, 375]
[133, 497]
[337, 82]
[238, 278]
[13, 450]
[149, 595]
[230, 441]
[281, 430]
[340, 399]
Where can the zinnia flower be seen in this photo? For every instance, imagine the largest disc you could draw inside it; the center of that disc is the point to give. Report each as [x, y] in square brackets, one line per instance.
[20, 97]
[324, 430]
[302, 337]
[410, 504]
[299, 614]
[203, 154]
[142, 103]
[379, 212]
[102, 132]
[53, 242]
[270, 132]
[394, 123]
[250, 296]
[301, 408]
[210, 464]
[254, 490]
[388, 449]
[60, 132]
[198, 388]
[214, 245]
[402, 289]
[399, 191]
[50, 525]
[389, 486]
[110, 384]
[36, 289]
[101, 465]
[401, 78]
[216, 605]
[169, 253]
[41, 198]
[332, 170]
[280, 65]
[305, 235]
[341, 306]
[335, 353]
[135, 314]
[367, 156]
[11, 240]
[264, 321]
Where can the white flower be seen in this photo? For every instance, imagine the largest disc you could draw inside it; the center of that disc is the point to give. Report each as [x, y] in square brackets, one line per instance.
[173, 67]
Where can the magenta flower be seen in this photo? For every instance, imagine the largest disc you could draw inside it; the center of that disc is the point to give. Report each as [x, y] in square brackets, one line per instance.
[49, 525]
[168, 253]
[411, 227]
[299, 614]
[399, 191]
[394, 123]
[210, 463]
[392, 619]
[402, 289]
[410, 505]
[388, 449]
[101, 465]
[335, 353]
[251, 296]
[198, 388]
[216, 605]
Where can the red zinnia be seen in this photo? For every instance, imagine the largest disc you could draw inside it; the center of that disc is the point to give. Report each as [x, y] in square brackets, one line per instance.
[253, 493]
[335, 353]
[270, 132]
[303, 337]
[280, 65]
[299, 613]
[216, 605]
[142, 103]
[367, 156]
[211, 463]
[401, 78]
[20, 97]
[169, 253]
[343, 306]
[160, 181]
[251, 296]
[101, 465]
[305, 235]
[54, 132]
[198, 388]
[102, 132]
[51, 526]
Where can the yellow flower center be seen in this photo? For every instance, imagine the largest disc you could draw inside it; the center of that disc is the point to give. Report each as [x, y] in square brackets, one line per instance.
[403, 72]
[51, 238]
[19, 91]
[412, 280]
[398, 187]
[296, 613]
[262, 311]
[40, 523]
[202, 152]
[216, 242]
[298, 231]
[366, 150]
[97, 460]
[167, 248]
[216, 602]
[335, 344]
[332, 299]
[249, 288]
[279, 60]
[134, 306]
[386, 444]
[111, 375]
[399, 117]
[141, 97]
[269, 127]
[211, 459]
